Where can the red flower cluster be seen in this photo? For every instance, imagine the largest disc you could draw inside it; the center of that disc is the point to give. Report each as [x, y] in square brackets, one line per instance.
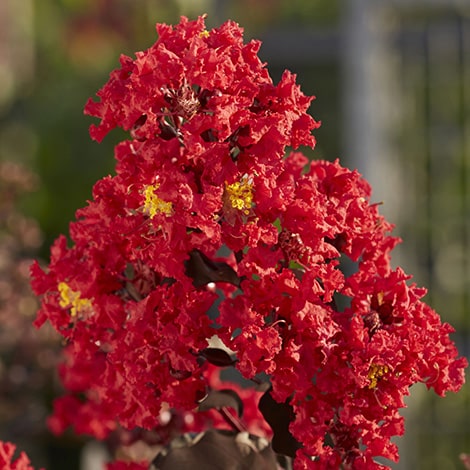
[7, 451]
[207, 229]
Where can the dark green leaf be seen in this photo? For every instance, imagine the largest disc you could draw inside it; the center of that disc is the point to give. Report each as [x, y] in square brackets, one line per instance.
[225, 398]
[218, 357]
[217, 450]
[279, 416]
[203, 270]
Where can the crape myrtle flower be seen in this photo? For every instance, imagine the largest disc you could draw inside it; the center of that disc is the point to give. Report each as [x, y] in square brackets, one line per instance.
[207, 228]
[7, 453]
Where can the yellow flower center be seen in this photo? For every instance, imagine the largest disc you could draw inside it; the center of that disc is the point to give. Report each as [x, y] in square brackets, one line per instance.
[71, 299]
[204, 34]
[153, 205]
[377, 372]
[240, 194]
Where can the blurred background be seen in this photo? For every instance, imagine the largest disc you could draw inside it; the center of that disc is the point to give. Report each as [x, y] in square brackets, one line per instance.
[392, 80]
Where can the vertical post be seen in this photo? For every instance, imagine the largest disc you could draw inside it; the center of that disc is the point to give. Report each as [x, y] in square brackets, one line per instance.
[369, 99]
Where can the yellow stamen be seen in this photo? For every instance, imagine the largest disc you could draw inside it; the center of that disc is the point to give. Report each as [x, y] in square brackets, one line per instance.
[380, 298]
[377, 372]
[204, 34]
[71, 299]
[240, 194]
[153, 205]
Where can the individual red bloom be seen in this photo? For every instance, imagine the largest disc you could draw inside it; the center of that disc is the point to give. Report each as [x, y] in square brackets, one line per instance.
[7, 451]
[207, 228]
[465, 459]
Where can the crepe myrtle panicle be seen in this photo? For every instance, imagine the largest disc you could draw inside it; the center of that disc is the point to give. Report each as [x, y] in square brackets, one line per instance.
[208, 229]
